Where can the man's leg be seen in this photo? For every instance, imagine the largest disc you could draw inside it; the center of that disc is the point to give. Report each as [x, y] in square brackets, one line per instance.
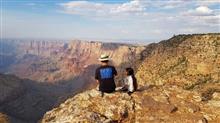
[102, 93]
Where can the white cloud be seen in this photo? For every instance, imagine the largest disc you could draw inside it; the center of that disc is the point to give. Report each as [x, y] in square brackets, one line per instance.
[84, 8]
[200, 11]
[207, 2]
[172, 4]
[134, 19]
[202, 15]
[132, 6]
[139, 10]
[87, 8]
[153, 16]
[212, 20]
[204, 10]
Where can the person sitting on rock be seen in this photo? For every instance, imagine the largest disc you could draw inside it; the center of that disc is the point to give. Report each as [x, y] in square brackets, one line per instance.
[130, 82]
[105, 75]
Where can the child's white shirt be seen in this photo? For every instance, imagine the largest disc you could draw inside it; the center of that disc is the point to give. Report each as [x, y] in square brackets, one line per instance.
[129, 82]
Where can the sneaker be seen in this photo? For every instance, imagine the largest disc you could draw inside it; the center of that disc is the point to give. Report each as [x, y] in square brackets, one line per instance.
[102, 94]
[129, 93]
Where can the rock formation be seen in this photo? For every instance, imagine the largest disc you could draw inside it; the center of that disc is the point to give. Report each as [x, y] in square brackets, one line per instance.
[185, 60]
[25, 101]
[45, 61]
[157, 104]
[178, 82]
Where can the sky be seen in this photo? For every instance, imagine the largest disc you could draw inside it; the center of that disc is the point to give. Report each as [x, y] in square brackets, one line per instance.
[112, 20]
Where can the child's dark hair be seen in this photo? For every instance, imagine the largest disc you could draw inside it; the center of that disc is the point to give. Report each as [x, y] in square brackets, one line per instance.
[129, 71]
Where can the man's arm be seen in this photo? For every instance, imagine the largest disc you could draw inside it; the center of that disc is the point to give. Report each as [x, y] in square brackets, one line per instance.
[115, 71]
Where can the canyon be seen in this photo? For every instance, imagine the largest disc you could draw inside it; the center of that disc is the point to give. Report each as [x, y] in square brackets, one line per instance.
[178, 78]
[42, 74]
[179, 81]
[45, 61]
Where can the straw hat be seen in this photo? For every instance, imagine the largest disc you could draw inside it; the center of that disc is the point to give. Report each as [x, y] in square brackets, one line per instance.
[104, 57]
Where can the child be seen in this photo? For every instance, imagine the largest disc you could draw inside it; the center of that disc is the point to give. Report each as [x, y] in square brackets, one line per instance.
[130, 81]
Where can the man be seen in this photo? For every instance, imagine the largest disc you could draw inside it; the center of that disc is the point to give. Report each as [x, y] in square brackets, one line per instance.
[104, 75]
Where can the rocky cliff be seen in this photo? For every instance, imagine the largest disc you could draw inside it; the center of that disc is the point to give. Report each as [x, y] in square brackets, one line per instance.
[46, 61]
[157, 104]
[25, 101]
[183, 60]
[178, 82]
[72, 64]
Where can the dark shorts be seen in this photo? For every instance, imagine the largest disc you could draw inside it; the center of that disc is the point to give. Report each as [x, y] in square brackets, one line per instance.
[107, 91]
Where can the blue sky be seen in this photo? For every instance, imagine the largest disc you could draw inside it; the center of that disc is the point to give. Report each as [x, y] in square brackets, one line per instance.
[113, 20]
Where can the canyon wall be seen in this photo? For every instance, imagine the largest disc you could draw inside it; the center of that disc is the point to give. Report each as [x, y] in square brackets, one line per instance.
[179, 81]
[25, 101]
[55, 61]
[47, 73]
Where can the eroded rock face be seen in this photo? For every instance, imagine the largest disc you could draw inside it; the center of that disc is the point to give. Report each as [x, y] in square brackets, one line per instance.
[187, 60]
[168, 103]
[48, 61]
[90, 106]
[11, 87]
[73, 64]
[25, 101]
[178, 82]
